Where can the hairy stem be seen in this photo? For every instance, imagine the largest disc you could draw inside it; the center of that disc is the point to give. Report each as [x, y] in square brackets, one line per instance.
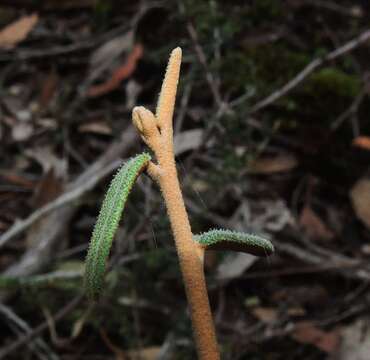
[157, 132]
[191, 264]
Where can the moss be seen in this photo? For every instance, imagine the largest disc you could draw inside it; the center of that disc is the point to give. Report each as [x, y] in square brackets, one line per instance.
[266, 67]
[333, 81]
[321, 98]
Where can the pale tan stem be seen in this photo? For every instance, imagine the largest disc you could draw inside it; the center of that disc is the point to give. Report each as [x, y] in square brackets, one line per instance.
[157, 132]
[191, 265]
[167, 96]
[154, 171]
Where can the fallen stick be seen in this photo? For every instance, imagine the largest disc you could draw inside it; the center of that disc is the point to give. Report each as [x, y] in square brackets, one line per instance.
[310, 68]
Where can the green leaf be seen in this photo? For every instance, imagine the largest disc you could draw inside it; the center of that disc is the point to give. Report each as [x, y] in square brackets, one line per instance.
[108, 220]
[220, 239]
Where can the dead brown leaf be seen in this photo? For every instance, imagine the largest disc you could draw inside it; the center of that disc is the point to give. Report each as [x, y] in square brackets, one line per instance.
[49, 86]
[148, 353]
[362, 142]
[96, 128]
[17, 31]
[360, 197]
[296, 311]
[48, 189]
[123, 72]
[104, 56]
[16, 179]
[313, 225]
[265, 314]
[272, 165]
[306, 332]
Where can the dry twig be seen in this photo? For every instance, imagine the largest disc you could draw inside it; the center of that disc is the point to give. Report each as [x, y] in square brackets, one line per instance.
[311, 67]
[6, 351]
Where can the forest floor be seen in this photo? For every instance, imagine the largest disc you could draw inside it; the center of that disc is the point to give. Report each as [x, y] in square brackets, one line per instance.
[272, 136]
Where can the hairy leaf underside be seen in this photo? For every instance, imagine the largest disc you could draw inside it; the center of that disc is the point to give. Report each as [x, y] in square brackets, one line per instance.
[220, 239]
[108, 220]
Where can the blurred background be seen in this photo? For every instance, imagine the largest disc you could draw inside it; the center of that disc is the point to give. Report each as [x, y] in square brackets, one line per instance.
[272, 136]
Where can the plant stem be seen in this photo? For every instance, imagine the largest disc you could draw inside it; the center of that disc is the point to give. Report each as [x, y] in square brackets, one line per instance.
[190, 262]
[157, 133]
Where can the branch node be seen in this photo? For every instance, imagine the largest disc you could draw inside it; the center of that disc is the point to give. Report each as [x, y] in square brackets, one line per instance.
[154, 171]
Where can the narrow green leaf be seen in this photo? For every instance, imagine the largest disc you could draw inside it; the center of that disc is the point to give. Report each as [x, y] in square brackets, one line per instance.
[108, 220]
[220, 239]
